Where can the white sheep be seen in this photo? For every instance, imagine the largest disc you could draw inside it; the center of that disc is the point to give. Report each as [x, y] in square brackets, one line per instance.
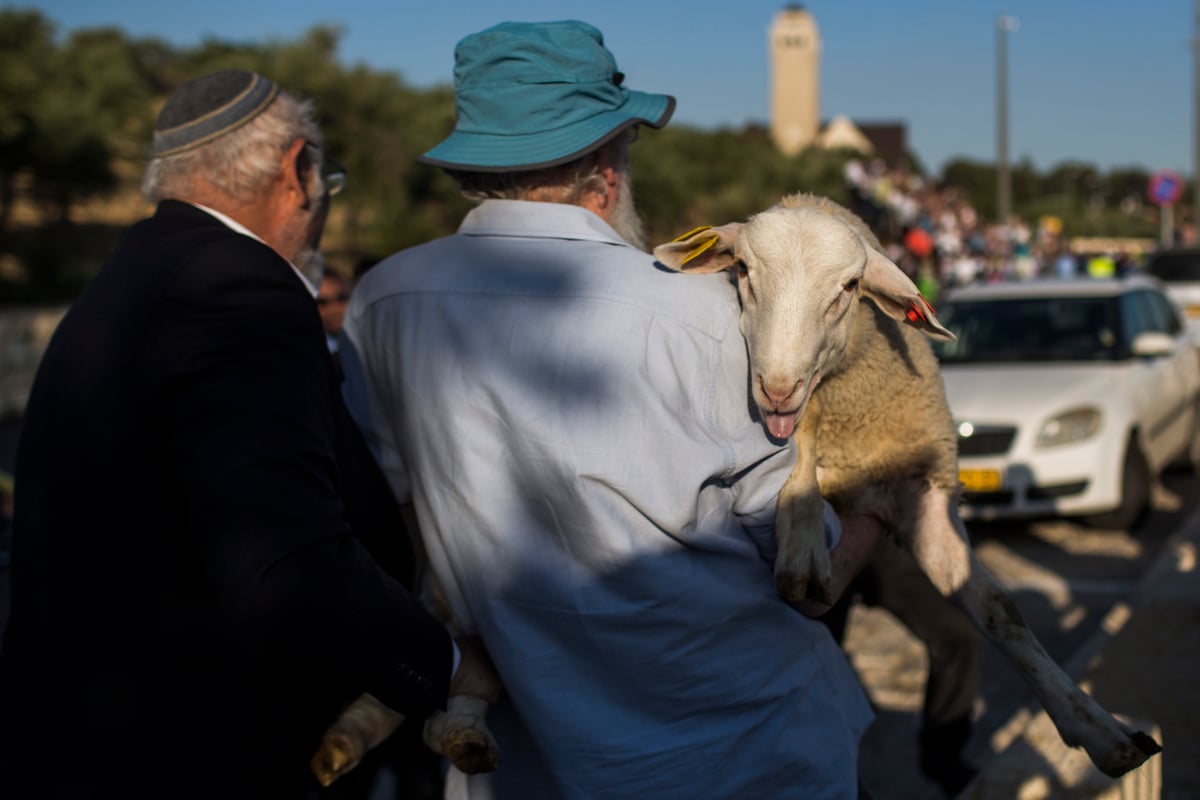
[859, 388]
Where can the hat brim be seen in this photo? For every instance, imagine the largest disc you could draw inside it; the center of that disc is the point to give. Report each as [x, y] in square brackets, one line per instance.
[489, 152]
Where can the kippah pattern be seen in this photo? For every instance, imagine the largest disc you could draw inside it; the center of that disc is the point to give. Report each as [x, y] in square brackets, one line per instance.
[208, 107]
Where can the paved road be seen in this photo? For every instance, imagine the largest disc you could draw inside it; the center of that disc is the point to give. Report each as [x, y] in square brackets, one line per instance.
[1065, 579]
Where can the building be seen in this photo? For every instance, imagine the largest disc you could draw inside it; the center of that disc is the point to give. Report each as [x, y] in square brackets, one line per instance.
[842, 134]
[795, 55]
[889, 140]
[795, 48]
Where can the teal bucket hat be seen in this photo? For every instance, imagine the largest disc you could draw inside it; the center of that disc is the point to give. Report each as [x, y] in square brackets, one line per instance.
[530, 95]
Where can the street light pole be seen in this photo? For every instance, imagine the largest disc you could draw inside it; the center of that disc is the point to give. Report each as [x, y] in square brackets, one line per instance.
[1196, 109]
[1003, 176]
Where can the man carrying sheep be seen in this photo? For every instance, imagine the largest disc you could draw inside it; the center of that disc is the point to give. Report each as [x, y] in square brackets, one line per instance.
[574, 427]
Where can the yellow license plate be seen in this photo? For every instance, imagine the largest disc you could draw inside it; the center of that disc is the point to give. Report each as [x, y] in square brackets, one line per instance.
[979, 480]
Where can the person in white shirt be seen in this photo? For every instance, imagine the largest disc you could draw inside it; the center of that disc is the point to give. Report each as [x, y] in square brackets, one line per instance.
[573, 424]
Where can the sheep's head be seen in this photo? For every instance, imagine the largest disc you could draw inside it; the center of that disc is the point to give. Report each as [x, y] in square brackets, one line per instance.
[800, 274]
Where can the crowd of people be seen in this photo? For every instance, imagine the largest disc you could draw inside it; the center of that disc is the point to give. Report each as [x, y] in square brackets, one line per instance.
[936, 235]
[208, 552]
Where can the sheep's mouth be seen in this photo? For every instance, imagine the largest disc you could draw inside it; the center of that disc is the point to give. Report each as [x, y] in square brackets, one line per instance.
[781, 425]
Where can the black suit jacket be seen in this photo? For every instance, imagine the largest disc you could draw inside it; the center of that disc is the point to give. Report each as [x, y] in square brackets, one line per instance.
[190, 607]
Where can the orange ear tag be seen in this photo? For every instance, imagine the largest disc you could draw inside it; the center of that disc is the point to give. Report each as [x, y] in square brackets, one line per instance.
[915, 312]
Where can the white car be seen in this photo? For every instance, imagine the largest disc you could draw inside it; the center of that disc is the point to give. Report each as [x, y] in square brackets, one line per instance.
[1179, 270]
[1070, 396]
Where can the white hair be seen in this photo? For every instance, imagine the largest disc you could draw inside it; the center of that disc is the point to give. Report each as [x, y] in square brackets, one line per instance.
[568, 183]
[239, 164]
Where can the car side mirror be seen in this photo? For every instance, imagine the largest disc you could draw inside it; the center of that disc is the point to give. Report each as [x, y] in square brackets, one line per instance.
[1153, 343]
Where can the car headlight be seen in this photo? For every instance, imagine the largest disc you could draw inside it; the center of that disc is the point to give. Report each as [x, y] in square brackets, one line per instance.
[1069, 427]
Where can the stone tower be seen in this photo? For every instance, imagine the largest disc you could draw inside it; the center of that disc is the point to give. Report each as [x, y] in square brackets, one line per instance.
[795, 48]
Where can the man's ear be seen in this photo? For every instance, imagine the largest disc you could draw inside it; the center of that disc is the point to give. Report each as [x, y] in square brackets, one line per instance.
[296, 169]
[609, 166]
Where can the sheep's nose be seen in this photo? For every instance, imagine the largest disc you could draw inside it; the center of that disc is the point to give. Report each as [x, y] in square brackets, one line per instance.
[777, 391]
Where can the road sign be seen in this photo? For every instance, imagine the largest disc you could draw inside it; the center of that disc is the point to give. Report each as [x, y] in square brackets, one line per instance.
[1164, 188]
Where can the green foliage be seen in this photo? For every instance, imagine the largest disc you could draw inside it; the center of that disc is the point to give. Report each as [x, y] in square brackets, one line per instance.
[26, 55]
[685, 177]
[76, 116]
[1088, 202]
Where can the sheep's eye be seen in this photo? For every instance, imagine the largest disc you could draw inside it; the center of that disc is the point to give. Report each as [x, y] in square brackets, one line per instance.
[743, 279]
[851, 285]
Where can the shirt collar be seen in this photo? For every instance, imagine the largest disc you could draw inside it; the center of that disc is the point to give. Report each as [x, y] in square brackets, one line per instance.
[533, 219]
[233, 224]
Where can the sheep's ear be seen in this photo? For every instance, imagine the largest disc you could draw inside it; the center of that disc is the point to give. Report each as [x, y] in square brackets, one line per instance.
[899, 298]
[702, 250]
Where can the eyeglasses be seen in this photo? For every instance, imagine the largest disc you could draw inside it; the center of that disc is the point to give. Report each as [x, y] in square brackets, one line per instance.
[333, 174]
[334, 177]
[632, 133]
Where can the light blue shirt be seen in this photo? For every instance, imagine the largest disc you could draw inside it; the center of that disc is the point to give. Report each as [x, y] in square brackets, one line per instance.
[573, 424]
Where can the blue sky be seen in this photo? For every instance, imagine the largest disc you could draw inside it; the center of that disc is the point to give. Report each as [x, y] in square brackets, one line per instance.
[1108, 83]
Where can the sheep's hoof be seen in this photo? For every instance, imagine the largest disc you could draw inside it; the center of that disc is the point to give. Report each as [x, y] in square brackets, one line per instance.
[1130, 755]
[797, 588]
[333, 759]
[471, 751]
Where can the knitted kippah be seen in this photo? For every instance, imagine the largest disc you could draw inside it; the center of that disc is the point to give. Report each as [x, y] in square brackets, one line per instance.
[210, 106]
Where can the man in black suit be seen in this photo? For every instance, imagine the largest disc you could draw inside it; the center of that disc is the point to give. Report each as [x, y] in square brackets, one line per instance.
[191, 606]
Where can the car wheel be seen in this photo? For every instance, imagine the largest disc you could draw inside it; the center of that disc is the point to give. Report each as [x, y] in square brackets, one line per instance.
[1135, 493]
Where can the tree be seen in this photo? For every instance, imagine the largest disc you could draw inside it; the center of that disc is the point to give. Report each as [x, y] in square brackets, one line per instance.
[26, 72]
[94, 115]
[977, 180]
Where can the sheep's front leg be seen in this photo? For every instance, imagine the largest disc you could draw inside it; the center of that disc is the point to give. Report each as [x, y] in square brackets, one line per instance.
[939, 544]
[802, 567]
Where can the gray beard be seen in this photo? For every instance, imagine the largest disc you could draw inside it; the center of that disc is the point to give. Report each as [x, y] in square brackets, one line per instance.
[625, 218]
[311, 264]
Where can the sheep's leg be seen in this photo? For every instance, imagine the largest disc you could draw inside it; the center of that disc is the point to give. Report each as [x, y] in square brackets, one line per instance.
[802, 567]
[461, 735]
[939, 544]
[364, 724]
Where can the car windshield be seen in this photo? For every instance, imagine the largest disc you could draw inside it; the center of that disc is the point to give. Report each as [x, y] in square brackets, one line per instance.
[1035, 329]
[1181, 267]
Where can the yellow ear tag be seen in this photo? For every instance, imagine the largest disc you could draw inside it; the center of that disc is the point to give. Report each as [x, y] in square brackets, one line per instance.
[692, 233]
[707, 244]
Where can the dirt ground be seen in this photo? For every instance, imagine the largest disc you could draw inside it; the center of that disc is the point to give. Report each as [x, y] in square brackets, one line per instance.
[1144, 666]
